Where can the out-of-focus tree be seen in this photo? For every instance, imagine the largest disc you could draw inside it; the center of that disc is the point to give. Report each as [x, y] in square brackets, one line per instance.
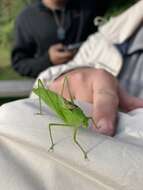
[9, 9]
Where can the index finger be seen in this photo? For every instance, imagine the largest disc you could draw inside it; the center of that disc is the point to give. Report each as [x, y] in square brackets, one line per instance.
[105, 102]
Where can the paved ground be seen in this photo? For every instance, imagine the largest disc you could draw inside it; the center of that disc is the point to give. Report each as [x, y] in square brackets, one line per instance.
[14, 88]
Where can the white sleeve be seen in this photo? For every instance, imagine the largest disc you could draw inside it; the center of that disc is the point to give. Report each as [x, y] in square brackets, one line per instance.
[96, 52]
[121, 27]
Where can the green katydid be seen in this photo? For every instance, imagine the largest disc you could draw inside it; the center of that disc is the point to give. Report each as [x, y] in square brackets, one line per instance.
[71, 115]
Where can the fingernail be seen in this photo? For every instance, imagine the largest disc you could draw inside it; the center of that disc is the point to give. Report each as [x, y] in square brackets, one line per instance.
[102, 123]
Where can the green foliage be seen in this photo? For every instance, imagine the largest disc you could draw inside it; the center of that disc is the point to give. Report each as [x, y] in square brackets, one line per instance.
[8, 11]
[118, 7]
[6, 71]
[6, 33]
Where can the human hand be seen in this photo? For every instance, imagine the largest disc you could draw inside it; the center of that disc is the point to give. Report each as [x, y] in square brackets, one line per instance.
[100, 88]
[58, 55]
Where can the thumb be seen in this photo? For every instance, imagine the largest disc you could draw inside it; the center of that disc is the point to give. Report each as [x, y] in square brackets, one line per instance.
[129, 103]
[105, 105]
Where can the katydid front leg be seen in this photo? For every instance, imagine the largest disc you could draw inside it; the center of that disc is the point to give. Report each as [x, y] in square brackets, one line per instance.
[40, 85]
[50, 133]
[74, 137]
[93, 122]
[40, 101]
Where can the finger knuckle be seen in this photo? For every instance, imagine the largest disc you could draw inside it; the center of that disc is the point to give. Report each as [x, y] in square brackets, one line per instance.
[100, 72]
[78, 76]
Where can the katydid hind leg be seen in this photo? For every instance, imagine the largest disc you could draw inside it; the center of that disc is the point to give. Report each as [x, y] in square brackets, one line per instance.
[66, 82]
[63, 86]
[77, 143]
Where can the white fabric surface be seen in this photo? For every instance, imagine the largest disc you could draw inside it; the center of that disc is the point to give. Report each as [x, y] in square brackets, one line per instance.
[25, 163]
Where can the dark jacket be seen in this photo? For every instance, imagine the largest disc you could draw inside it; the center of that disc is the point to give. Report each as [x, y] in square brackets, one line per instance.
[36, 31]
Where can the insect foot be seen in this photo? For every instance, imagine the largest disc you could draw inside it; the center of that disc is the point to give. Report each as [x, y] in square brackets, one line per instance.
[85, 156]
[38, 113]
[51, 149]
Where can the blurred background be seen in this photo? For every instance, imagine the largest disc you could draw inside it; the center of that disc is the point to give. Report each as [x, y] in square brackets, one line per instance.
[12, 85]
[8, 11]
[10, 81]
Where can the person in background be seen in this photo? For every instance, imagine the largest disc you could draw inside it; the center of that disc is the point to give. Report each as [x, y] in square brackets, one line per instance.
[44, 30]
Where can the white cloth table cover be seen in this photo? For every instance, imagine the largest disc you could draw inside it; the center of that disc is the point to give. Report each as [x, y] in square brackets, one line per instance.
[26, 164]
